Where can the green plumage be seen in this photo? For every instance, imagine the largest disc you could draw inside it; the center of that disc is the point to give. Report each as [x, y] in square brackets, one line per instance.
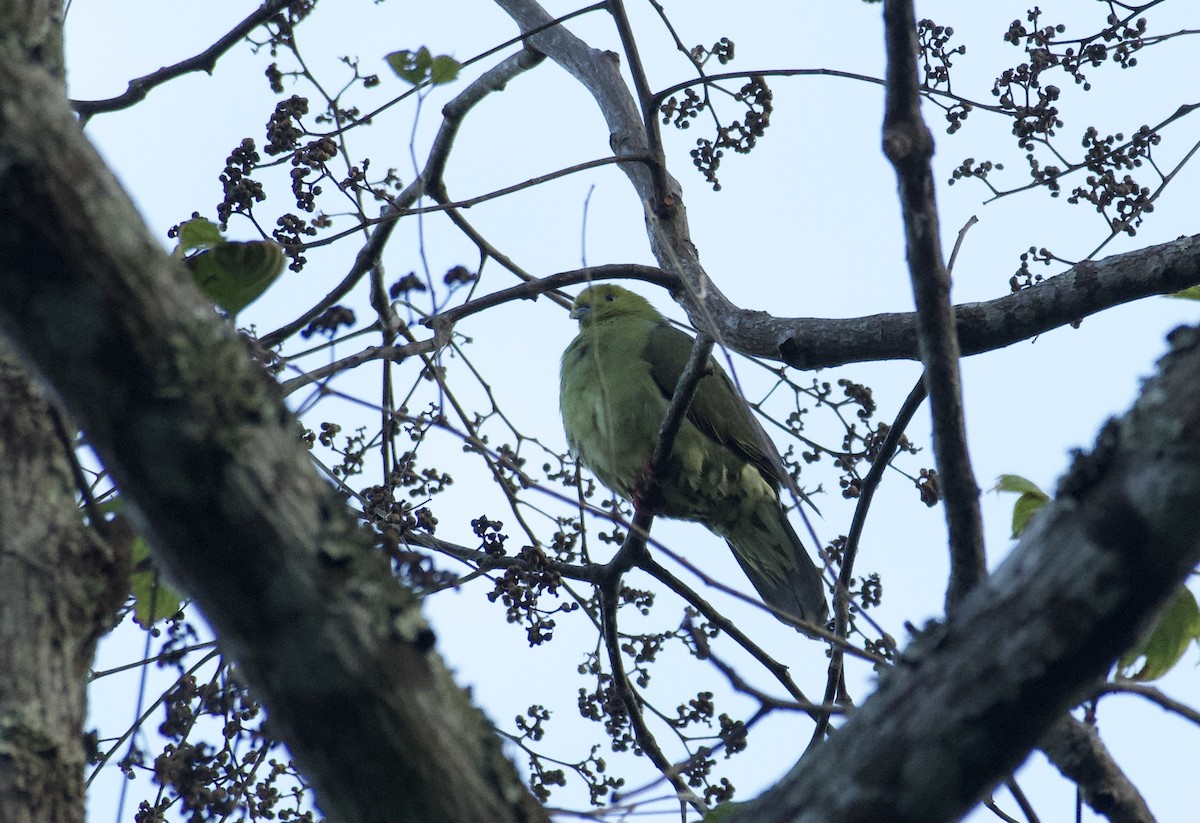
[618, 376]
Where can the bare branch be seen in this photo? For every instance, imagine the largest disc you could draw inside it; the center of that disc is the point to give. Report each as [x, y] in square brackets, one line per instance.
[841, 601]
[533, 288]
[493, 80]
[205, 61]
[670, 236]
[909, 145]
[661, 202]
[1084, 289]
[629, 698]
[1153, 695]
[1077, 751]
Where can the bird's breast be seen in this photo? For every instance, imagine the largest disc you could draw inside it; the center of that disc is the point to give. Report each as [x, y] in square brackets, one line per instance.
[611, 411]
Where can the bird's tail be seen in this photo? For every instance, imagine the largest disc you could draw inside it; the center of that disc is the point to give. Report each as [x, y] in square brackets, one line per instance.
[772, 556]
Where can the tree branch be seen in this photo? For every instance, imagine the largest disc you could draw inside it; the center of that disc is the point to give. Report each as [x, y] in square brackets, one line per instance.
[662, 201]
[813, 343]
[1153, 695]
[1077, 751]
[834, 682]
[633, 550]
[1084, 289]
[969, 698]
[198, 440]
[205, 61]
[667, 226]
[453, 114]
[908, 143]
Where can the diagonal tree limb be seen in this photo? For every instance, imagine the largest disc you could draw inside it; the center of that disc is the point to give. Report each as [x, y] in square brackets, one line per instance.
[201, 445]
[835, 679]
[969, 698]
[633, 552]
[599, 73]
[1077, 751]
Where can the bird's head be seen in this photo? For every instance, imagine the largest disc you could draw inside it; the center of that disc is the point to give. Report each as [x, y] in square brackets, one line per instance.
[598, 304]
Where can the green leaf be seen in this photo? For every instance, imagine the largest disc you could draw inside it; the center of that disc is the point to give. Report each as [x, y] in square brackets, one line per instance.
[1187, 294]
[235, 274]
[1175, 629]
[419, 67]
[1031, 500]
[199, 234]
[409, 65]
[721, 811]
[153, 599]
[1017, 483]
[444, 70]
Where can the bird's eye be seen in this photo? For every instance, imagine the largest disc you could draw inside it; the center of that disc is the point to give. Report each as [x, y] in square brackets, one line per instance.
[610, 297]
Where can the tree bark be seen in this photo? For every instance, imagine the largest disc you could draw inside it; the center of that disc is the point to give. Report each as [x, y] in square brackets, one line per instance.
[60, 584]
[968, 699]
[202, 447]
[1076, 750]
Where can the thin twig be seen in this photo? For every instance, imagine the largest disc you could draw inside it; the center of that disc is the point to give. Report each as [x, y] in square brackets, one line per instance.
[495, 79]
[841, 605]
[662, 201]
[633, 709]
[1026, 807]
[779, 670]
[205, 61]
[1153, 695]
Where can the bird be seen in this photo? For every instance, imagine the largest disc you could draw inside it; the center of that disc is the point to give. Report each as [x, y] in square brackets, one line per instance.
[617, 379]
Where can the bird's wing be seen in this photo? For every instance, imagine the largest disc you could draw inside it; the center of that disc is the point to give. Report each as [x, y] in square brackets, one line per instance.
[717, 409]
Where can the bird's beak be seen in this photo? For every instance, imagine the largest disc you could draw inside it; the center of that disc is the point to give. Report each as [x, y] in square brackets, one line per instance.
[580, 311]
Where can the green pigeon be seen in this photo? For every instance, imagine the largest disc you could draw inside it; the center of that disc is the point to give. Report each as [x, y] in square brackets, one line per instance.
[617, 380]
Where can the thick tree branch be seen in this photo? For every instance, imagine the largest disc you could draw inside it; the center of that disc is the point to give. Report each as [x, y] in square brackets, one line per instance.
[599, 73]
[201, 445]
[968, 699]
[908, 143]
[1085, 289]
